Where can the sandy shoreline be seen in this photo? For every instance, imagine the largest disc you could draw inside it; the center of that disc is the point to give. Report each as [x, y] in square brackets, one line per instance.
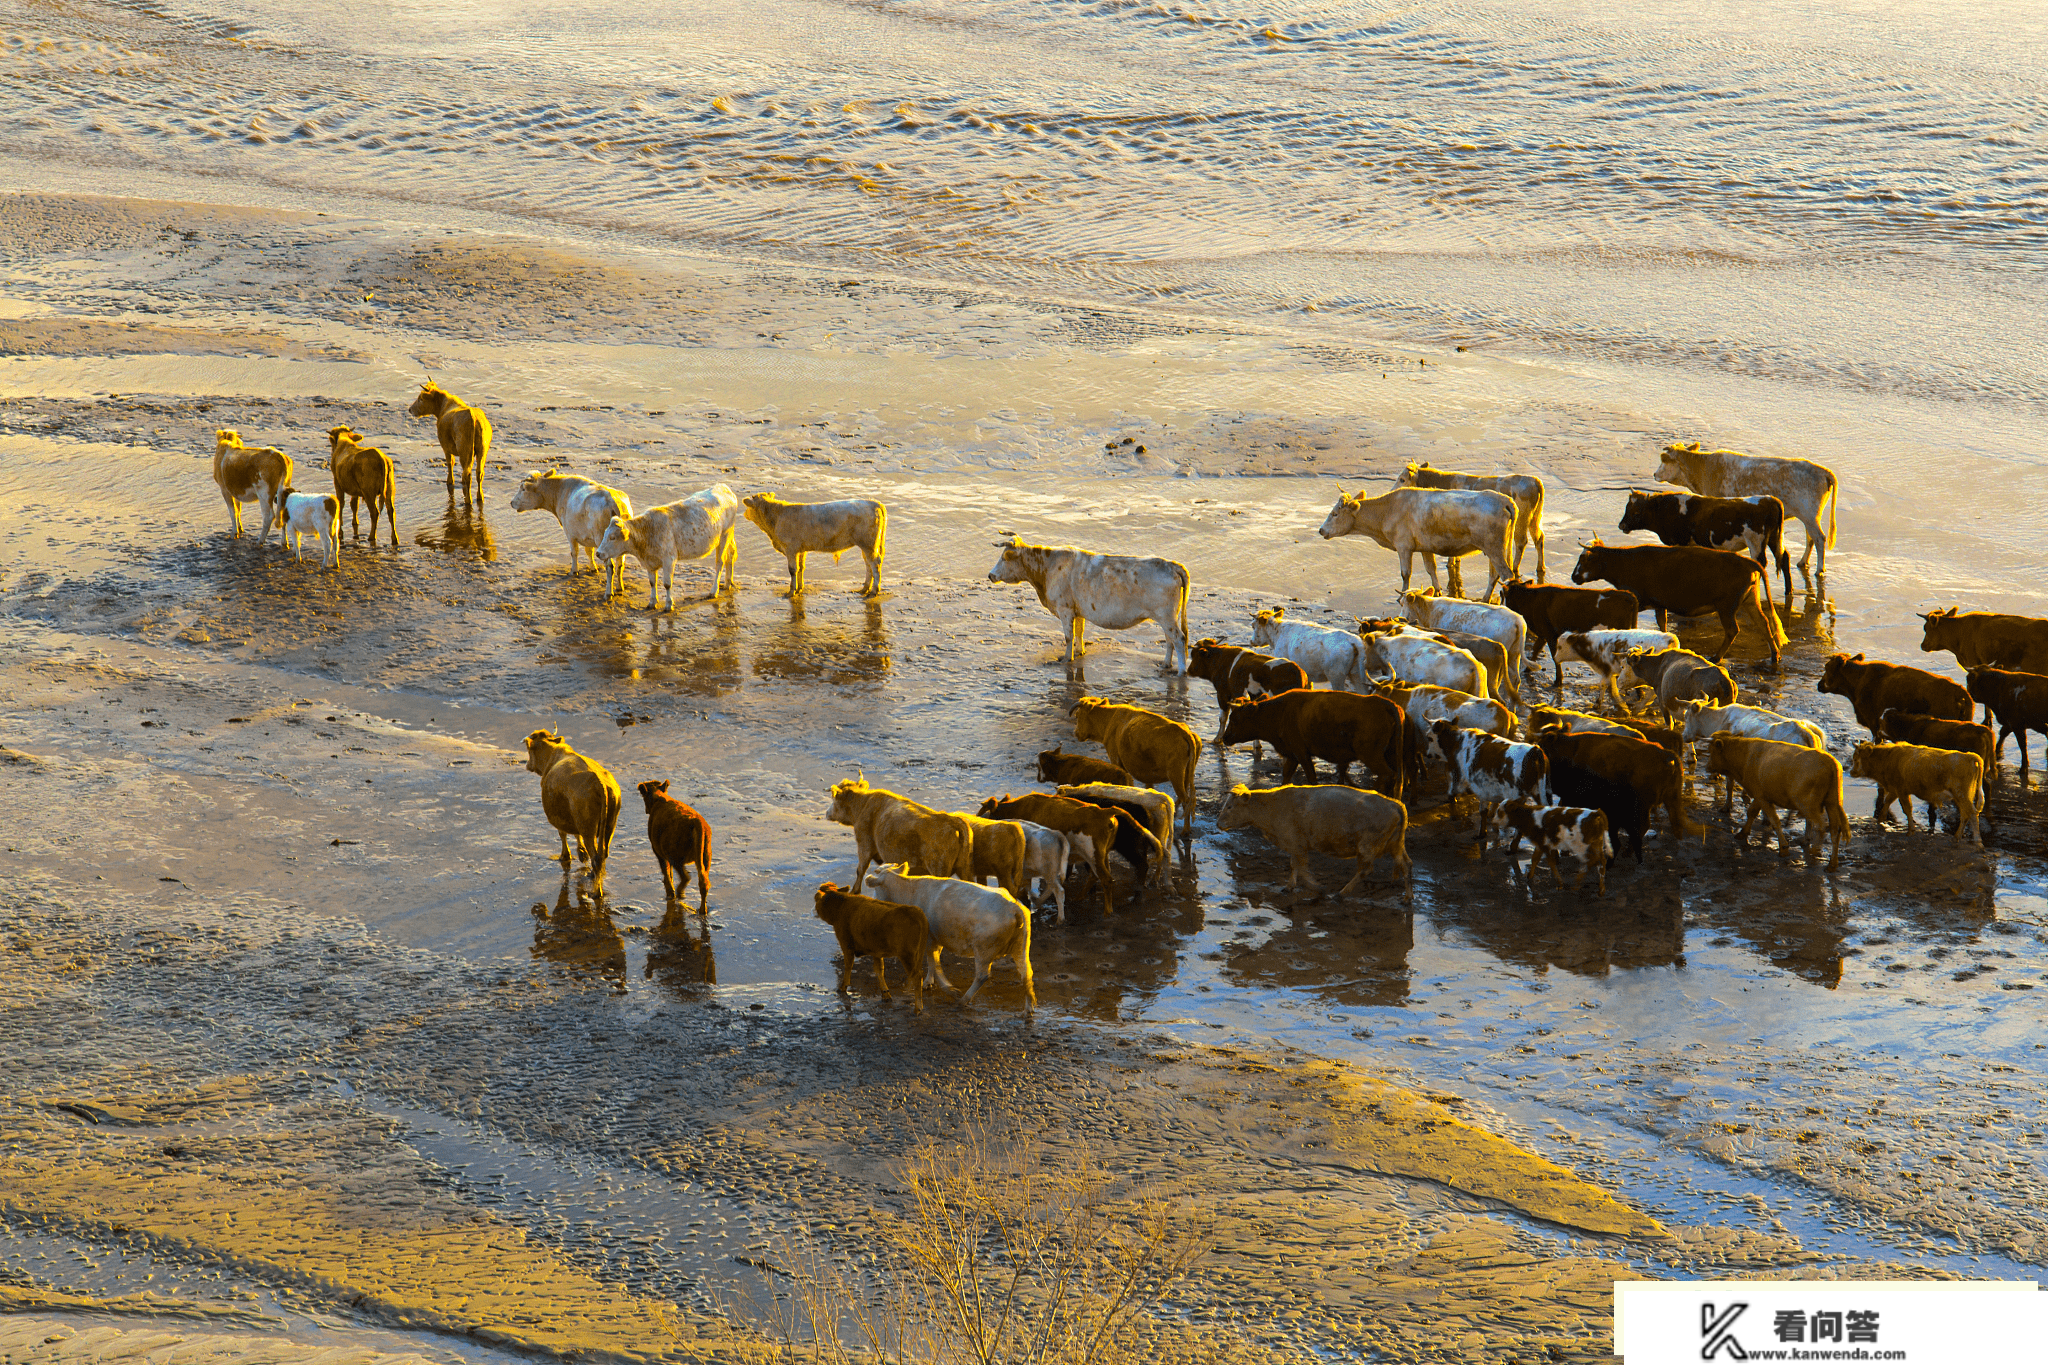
[272, 857]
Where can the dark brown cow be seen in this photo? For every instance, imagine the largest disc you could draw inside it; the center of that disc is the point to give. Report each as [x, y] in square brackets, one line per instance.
[1984, 639]
[1750, 525]
[681, 839]
[879, 929]
[1055, 765]
[1690, 580]
[1238, 673]
[1875, 688]
[1340, 727]
[1096, 825]
[1626, 811]
[1638, 764]
[2018, 700]
[1553, 610]
[1957, 736]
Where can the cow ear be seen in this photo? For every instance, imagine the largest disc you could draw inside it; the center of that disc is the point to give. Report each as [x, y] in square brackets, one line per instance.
[662, 785]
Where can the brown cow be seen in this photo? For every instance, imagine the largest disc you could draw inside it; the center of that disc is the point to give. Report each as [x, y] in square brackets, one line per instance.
[1237, 673]
[1680, 675]
[464, 433]
[1773, 773]
[258, 474]
[2018, 700]
[1091, 830]
[1647, 770]
[681, 839]
[1055, 765]
[1691, 580]
[361, 474]
[1956, 736]
[1150, 747]
[1904, 771]
[1340, 727]
[1342, 821]
[1984, 639]
[879, 929]
[1553, 610]
[579, 796]
[894, 829]
[1875, 688]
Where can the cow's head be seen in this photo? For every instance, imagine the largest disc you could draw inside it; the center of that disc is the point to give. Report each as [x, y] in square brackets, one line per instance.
[1592, 555]
[1859, 761]
[1240, 719]
[1236, 812]
[1940, 632]
[1441, 740]
[1014, 566]
[844, 795]
[654, 794]
[528, 496]
[1834, 673]
[543, 747]
[994, 803]
[612, 544]
[1635, 516]
[1676, 465]
[1410, 473]
[755, 509]
[227, 438]
[336, 435]
[1343, 518]
[428, 404]
[1265, 623]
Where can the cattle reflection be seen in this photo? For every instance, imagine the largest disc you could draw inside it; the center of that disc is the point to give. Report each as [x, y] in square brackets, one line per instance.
[1799, 926]
[1106, 967]
[678, 961]
[1351, 951]
[677, 650]
[828, 647]
[579, 934]
[463, 531]
[1639, 923]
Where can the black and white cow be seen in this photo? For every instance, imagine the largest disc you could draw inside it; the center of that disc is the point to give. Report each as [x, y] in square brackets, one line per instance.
[1572, 830]
[1751, 525]
[1491, 768]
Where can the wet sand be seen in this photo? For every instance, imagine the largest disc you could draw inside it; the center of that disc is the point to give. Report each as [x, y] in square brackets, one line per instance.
[280, 894]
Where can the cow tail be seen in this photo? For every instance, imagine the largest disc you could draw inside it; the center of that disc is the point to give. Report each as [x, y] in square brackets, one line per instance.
[1180, 621]
[1834, 496]
[1398, 745]
[881, 531]
[481, 428]
[1769, 611]
[390, 489]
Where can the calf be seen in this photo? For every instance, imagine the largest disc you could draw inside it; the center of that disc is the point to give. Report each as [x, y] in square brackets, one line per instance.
[1057, 766]
[1753, 525]
[1045, 860]
[681, 839]
[579, 796]
[362, 474]
[244, 473]
[1773, 774]
[1957, 736]
[1093, 831]
[1690, 580]
[1904, 771]
[1649, 770]
[1875, 688]
[998, 850]
[879, 929]
[1679, 675]
[1237, 673]
[1148, 746]
[700, 526]
[985, 923]
[1492, 769]
[1324, 653]
[2018, 700]
[1626, 811]
[1153, 810]
[1551, 830]
[1341, 821]
[1551, 611]
[319, 515]
[1340, 727]
[800, 528]
[891, 828]
[1606, 653]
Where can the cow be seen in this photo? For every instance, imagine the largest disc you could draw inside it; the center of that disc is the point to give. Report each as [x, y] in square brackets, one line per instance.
[1754, 525]
[362, 474]
[1577, 831]
[464, 433]
[1056, 765]
[1340, 727]
[1874, 688]
[1148, 746]
[998, 849]
[1552, 610]
[1904, 771]
[700, 526]
[579, 796]
[1093, 831]
[1650, 771]
[311, 514]
[1983, 639]
[2019, 701]
[1449, 522]
[1628, 814]
[585, 508]
[1424, 704]
[1414, 659]
[681, 840]
[1773, 774]
[1606, 653]
[245, 473]
[1525, 489]
[1492, 769]
[985, 923]
[1679, 675]
[1116, 592]
[1543, 718]
[1501, 669]
[1153, 810]
[1045, 860]
[796, 529]
[1457, 617]
[1957, 736]
[895, 829]
[1690, 580]
[880, 929]
[1701, 720]
[1801, 485]
[1341, 821]
[1324, 653]
[1237, 673]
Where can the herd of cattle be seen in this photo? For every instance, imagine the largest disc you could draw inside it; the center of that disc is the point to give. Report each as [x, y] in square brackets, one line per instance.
[1437, 688]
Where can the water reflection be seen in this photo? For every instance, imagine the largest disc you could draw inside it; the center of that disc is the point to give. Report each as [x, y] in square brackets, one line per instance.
[463, 531]
[1342, 952]
[579, 934]
[1634, 926]
[679, 962]
[835, 651]
[697, 653]
[1106, 967]
[1801, 927]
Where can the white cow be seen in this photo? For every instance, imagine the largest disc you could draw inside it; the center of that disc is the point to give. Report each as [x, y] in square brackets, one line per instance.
[1502, 681]
[1046, 852]
[1701, 720]
[1158, 808]
[585, 508]
[800, 528]
[1449, 522]
[1325, 653]
[1802, 485]
[1114, 591]
[1525, 489]
[312, 514]
[703, 524]
[245, 473]
[981, 922]
[1606, 653]
[1413, 659]
[1426, 704]
[1427, 608]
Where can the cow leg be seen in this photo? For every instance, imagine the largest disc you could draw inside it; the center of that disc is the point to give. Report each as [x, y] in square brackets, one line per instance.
[934, 972]
[1299, 875]
[1536, 534]
[1559, 876]
[981, 966]
[796, 573]
[1454, 577]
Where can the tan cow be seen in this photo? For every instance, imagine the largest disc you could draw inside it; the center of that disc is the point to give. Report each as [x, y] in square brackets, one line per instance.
[700, 526]
[1342, 821]
[999, 850]
[1773, 773]
[1525, 489]
[579, 796]
[1116, 592]
[1150, 747]
[1904, 771]
[894, 829]
[258, 474]
[832, 528]
[1430, 522]
[464, 432]
[361, 474]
